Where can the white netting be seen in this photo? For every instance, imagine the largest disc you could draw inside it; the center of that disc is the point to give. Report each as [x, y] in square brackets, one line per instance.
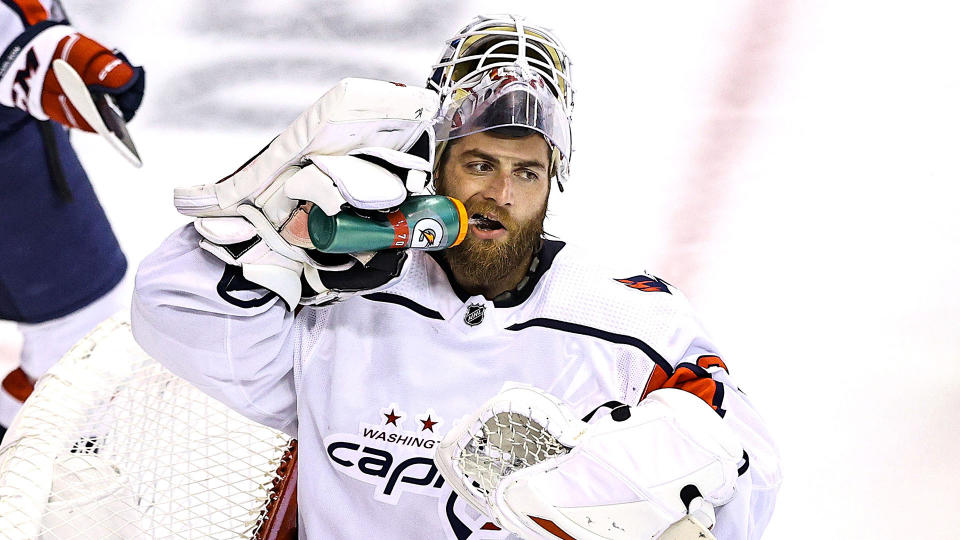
[112, 445]
[520, 427]
[504, 443]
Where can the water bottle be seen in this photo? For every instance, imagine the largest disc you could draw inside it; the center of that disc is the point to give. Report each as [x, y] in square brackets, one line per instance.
[428, 222]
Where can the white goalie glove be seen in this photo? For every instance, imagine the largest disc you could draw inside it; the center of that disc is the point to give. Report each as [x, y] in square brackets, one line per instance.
[651, 471]
[365, 144]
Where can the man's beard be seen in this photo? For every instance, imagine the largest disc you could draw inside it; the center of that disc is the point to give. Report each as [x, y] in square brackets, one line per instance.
[478, 262]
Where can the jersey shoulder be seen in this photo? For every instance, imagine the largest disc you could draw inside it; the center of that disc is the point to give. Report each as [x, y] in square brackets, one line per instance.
[579, 290]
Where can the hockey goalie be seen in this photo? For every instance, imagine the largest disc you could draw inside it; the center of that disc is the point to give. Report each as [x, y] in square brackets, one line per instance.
[380, 356]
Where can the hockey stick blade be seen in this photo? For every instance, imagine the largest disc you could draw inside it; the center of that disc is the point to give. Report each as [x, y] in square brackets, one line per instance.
[100, 111]
[113, 118]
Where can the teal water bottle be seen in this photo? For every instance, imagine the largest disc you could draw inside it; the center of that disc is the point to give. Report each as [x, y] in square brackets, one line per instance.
[428, 222]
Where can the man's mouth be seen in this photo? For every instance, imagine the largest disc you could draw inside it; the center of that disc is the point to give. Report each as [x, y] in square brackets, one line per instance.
[485, 223]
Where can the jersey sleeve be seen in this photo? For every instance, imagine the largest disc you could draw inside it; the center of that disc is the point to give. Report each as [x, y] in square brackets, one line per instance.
[700, 370]
[238, 347]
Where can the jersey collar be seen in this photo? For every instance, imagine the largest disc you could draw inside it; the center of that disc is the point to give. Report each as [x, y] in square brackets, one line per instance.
[542, 260]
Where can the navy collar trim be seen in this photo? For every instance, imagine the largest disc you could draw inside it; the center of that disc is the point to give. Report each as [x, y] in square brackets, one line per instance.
[542, 261]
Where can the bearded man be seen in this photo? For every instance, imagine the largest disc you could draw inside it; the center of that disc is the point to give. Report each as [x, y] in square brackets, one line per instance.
[369, 358]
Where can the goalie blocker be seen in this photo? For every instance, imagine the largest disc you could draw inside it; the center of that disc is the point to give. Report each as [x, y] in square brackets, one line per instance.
[651, 471]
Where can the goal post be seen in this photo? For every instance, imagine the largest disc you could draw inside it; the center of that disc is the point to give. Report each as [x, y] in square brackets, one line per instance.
[112, 445]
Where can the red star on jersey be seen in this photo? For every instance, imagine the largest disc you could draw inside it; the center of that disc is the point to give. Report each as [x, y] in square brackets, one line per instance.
[392, 417]
[428, 424]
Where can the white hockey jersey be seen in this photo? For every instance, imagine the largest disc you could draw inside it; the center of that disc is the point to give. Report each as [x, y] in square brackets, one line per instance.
[370, 385]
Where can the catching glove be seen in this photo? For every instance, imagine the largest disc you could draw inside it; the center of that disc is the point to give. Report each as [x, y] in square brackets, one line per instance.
[363, 146]
[651, 471]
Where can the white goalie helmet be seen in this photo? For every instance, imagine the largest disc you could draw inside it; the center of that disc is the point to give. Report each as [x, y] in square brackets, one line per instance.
[500, 71]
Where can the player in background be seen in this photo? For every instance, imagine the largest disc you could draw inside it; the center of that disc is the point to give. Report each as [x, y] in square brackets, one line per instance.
[60, 262]
[369, 359]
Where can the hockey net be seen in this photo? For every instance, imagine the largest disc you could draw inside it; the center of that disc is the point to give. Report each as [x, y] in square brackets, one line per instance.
[112, 445]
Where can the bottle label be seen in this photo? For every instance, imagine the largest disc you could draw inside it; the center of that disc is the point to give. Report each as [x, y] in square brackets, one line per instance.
[401, 231]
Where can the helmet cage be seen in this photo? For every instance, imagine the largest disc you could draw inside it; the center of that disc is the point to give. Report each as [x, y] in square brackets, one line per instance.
[506, 41]
[493, 41]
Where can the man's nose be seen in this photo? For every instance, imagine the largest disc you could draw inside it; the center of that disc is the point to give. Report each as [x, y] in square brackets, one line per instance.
[500, 189]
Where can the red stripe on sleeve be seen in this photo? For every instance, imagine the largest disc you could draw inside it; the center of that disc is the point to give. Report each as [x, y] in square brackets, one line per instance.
[688, 380]
[710, 361]
[33, 10]
[656, 381]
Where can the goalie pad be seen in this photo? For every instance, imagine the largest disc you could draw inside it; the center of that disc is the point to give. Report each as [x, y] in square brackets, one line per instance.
[88, 494]
[538, 471]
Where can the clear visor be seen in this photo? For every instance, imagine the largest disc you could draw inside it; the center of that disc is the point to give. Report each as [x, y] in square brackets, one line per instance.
[505, 98]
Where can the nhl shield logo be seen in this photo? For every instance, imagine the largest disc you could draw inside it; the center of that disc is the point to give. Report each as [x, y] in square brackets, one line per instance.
[474, 314]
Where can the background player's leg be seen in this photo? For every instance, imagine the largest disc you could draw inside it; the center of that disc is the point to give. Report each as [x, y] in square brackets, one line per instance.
[44, 343]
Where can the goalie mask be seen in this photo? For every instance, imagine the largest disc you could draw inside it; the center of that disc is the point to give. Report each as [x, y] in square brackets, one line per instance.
[500, 72]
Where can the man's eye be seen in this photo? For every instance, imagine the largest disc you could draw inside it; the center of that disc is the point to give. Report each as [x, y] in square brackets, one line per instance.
[479, 167]
[528, 175]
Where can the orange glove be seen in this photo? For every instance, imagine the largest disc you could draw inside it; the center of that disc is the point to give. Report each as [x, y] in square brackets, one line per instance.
[102, 70]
